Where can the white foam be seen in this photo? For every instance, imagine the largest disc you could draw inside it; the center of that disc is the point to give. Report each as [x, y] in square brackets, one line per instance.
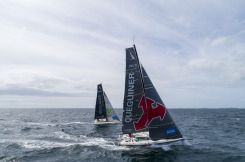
[43, 124]
[54, 124]
[90, 141]
[78, 123]
[72, 123]
[116, 147]
[166, 147]
[63, 135]
[36, 144]
[93, 142]
[43, 144]
[186, 142]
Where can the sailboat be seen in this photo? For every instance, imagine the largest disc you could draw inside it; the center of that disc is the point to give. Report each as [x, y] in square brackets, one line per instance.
[104, 112]
[146, 121]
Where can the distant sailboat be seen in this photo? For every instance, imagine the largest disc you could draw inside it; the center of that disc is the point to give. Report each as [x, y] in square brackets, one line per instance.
[146, 121]
[104, 112]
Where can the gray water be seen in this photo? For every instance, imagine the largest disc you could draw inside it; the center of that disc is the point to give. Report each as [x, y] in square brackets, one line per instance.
[69, 135]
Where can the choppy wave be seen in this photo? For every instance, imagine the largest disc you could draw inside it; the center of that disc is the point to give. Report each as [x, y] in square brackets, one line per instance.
[56, 135]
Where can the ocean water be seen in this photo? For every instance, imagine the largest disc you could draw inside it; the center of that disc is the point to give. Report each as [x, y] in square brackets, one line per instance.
[69, 135]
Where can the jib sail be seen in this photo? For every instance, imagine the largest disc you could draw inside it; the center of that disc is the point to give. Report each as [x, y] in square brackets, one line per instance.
[110, 112]
[161, 125]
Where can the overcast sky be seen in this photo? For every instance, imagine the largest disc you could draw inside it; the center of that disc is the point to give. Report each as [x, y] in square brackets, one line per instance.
[53, 53]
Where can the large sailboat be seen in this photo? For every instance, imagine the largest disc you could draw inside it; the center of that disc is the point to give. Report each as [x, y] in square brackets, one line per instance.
[146, 121]
[104, 112]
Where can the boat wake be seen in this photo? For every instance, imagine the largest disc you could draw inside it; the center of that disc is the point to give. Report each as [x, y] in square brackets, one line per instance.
[62, 139]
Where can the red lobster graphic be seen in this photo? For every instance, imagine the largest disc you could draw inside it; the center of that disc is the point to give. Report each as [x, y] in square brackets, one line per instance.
[149, 113]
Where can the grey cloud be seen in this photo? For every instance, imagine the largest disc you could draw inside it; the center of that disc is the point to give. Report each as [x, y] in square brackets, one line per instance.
[37, 92]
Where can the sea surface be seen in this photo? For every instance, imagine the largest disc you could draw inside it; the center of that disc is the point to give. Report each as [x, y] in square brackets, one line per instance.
[69, 135]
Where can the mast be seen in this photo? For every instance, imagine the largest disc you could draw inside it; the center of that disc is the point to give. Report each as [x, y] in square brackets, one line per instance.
[142, 123]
